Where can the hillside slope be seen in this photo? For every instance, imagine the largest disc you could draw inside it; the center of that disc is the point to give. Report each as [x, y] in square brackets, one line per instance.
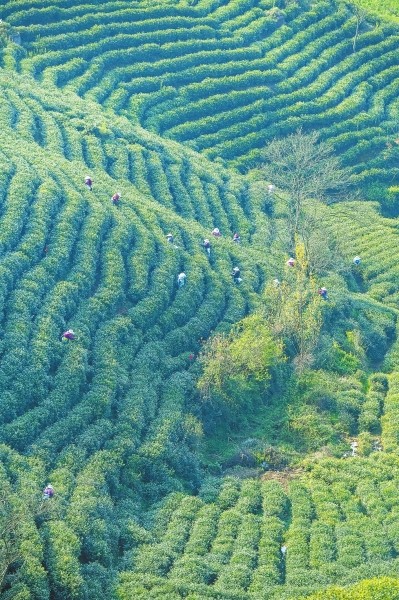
[106, 414]
[171, 105]
[226, 77]
[228, 543]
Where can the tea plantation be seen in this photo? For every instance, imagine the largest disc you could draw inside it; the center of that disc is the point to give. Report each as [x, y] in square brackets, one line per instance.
[252, 492]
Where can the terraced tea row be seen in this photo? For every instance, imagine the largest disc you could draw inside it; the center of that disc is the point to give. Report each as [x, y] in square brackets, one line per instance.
[388, 11]
[254, 539]
[112, 417]
[225, 78]
[81, 230]
[373, 238]
[140, 293]
[173, 178]
[111, 404]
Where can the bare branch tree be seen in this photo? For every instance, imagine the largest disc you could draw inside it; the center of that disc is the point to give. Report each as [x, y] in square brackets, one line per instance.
[303, 167]
[360, 15]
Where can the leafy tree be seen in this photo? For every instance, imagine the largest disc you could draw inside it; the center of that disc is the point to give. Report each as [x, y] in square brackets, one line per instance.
[293, 311]
[238, 367]
[230, 362]
[304, 167]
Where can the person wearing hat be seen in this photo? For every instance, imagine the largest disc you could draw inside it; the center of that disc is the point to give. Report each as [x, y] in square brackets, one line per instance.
[207, 246]
[68, 335]
[181, 279]
[89, 182]
[48, 492]
[115, 198]
[323, 293]
[236, 275]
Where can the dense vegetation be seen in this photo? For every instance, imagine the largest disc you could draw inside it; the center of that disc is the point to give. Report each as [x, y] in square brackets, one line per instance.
[191, 434]
[225, 77]
[232, 537]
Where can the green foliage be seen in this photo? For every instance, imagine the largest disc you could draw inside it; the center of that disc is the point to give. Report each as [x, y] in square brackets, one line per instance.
[344, 363]
[319, 519]
[388, 10]
[62, 560]
[107, 413]
[5, 31]
[112, 419]
[248, 352]
[384, 588]
[294, 311]
[313, 428]
[21, 549]
[390, 435]
[210, 84]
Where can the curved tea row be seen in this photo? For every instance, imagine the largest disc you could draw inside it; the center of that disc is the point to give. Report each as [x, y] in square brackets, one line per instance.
[225, 78]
